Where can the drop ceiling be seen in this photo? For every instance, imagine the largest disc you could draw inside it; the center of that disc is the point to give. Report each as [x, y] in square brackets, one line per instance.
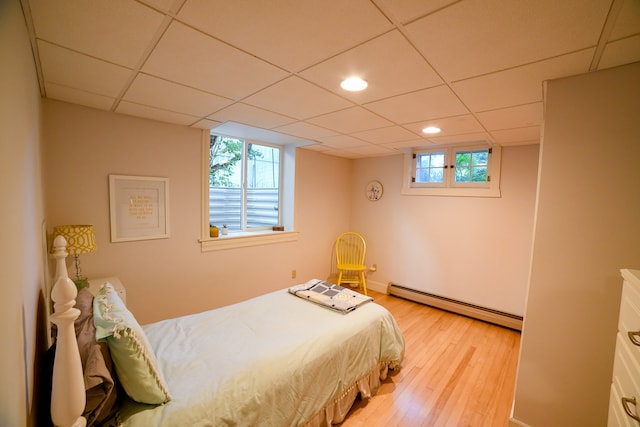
[474, 68]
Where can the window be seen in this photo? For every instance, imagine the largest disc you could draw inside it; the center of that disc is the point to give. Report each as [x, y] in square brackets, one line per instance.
[244, 184]
[243, 189]
[450, 171]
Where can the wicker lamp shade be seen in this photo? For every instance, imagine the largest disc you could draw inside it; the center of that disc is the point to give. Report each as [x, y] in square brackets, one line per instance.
[81, 239]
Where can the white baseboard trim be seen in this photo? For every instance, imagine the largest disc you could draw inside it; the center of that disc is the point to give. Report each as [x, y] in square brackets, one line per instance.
[377, 286]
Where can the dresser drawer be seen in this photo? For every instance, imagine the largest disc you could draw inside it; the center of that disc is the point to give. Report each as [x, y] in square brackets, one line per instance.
[626, 377]
[617, 416]
[630, 317]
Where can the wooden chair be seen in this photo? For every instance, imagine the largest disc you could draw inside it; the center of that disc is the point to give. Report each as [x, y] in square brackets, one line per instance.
[350, 252]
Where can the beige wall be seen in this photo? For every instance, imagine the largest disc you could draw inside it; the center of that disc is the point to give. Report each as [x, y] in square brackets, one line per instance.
[587, 229]
[21, 216]
[473, 249]
[170, 277]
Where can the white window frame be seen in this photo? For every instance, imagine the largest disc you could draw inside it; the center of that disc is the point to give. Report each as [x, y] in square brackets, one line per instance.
[449, 187]
[254, 237]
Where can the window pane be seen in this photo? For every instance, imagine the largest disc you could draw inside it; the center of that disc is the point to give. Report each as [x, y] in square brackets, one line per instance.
[429, 167]
[463, 158]
[437, 160]
[471, 166]
[225, 181]
[436, 175]
[479, 174]
[463, 174]
[480, 158]
[263, 181]
[423, 160]
[422, 175]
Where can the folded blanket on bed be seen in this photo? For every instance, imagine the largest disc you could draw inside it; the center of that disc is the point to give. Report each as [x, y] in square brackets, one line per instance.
[330, 295]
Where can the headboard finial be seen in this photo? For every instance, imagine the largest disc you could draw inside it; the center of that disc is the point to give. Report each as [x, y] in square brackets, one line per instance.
[64, 290]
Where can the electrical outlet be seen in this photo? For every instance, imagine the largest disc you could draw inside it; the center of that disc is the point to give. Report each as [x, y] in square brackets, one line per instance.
[293, 274]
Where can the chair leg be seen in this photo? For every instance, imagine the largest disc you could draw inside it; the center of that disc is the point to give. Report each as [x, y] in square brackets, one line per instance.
[339, 277]
[364, 282]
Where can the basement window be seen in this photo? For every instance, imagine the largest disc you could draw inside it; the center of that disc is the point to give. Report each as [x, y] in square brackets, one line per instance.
[472, 170]
[244, 189]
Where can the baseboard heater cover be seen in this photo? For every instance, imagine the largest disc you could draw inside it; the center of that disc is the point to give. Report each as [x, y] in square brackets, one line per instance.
[475, 311]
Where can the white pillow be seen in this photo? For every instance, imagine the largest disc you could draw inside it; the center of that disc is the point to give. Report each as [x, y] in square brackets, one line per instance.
[131, 352]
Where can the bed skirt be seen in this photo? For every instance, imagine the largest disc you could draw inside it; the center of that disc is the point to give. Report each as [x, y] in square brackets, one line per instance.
[336, 411]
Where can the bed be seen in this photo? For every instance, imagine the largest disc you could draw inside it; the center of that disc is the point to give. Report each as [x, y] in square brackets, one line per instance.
[273, 360]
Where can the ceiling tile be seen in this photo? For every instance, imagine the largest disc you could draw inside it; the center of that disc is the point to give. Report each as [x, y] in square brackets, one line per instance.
[407, 10]
[116, 31]
[502, 34]
[524, 134]
[620, 52]
[521, 85]
[293, 34]
[206, 124]
[421, 105]
[68, 68]
[344, 153]
[317, 147]
[305, 130]
[137, 110]
[512, 117]
[187, 56]
[75, 96]
[342, 141]
[170, 6]
[628, 20]
[449, 126]
[243, 131]
[388, 63]
[465, 138]
[297, 98]
[248, 114]
[404, 145]
[373, 150]
[351, 120]
[152, 91]
[384, 135]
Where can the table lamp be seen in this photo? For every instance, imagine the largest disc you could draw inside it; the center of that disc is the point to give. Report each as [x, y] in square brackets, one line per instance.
[80, 239]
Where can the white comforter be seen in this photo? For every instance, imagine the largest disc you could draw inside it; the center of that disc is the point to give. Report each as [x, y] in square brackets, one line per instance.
[275, 360]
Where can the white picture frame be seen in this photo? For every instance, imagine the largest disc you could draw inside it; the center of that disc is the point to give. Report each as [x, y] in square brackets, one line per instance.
[138, 207]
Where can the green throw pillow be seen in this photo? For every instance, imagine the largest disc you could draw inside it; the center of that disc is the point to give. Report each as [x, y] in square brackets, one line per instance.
[132, 355]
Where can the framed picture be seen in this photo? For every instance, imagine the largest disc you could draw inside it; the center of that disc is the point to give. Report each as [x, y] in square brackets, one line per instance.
[138, 207]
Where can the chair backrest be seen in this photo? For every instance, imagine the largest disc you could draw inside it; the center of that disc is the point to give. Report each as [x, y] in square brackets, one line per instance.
[350, 248]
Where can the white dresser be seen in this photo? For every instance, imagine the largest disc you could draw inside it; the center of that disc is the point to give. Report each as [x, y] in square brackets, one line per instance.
[624, 402]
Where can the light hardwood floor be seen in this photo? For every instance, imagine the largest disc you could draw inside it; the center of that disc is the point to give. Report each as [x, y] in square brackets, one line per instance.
[456, 372]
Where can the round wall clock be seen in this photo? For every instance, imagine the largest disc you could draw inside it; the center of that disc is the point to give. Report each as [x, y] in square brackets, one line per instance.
[374, 190]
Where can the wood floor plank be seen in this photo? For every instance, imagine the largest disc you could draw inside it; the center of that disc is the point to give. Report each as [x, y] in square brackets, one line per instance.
[457, 371]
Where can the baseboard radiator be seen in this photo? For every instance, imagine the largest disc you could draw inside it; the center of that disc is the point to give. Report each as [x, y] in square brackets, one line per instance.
[475, 311]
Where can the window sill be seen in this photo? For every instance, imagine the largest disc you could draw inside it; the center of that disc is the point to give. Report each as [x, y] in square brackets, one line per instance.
[243, 240]
[453, 192]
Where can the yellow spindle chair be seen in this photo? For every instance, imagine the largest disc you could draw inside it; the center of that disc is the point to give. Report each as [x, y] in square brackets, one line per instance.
[350, 253]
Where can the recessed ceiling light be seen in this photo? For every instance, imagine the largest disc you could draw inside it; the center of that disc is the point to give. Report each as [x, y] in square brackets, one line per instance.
[354, 84]
[431, 130]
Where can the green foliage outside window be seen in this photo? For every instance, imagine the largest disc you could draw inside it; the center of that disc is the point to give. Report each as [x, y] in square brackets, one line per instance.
[224, 154]
[471, 166]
